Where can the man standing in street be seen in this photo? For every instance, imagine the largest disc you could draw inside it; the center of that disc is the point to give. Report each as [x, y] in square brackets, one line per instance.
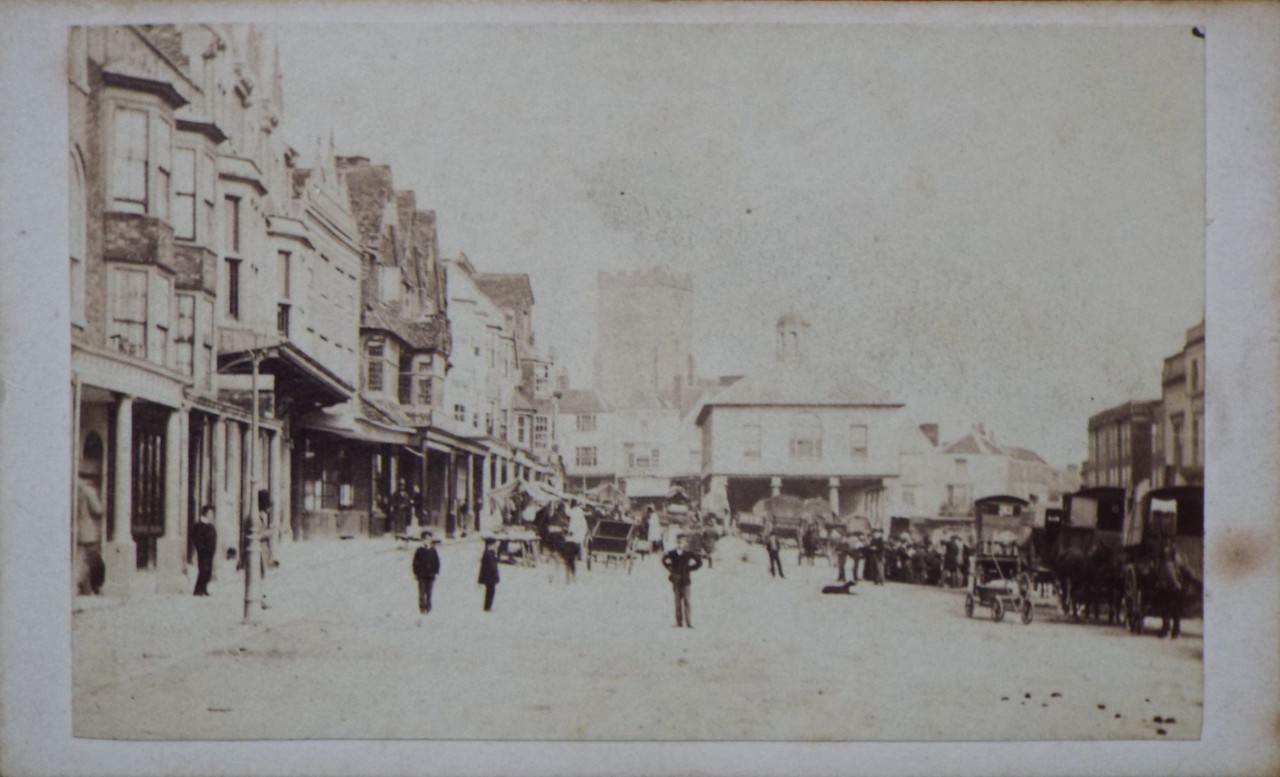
[681, 563]
[401, 505]
[426, 565]
[204, 539]
[488, 573]
[772, 545]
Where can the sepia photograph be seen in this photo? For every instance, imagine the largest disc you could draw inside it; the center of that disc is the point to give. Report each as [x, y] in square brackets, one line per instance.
[424, 378]
[469, 346]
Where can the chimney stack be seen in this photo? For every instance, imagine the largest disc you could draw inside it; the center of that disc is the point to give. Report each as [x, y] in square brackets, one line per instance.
[930, 431]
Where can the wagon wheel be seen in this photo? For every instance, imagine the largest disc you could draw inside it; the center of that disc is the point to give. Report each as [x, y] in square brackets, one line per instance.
[968, 605]
[997, 609]
[1024, 585]
[1026, 612]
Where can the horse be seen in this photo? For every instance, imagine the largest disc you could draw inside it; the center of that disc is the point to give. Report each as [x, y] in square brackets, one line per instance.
[1103, 582]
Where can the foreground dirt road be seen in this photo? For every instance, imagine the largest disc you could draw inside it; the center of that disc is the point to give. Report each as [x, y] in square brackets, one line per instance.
[343, 653]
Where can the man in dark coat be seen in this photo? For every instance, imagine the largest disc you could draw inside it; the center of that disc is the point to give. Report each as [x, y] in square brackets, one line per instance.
[681, 562]
[488, 573]
[401, 506]
[204, 539]
[426, 565]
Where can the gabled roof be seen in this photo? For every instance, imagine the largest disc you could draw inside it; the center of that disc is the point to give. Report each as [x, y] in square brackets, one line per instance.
[974, 444]
[520, 401]
[1023, 454]
[508, 290]
[424, 334]
[787, 385]
[582, 402]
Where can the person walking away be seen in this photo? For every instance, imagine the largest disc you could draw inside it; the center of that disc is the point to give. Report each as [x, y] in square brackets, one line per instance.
[875, 553]
[951, 562]
[681, 562]
[426, 565]
[265, 559]
[488, 572]
[773, 546]
[709, 535]
[204, 539]
[91, 571]
[401, 504]
[575, 540]
[653, 529]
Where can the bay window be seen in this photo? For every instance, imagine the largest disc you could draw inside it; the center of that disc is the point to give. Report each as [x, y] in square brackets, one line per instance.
[129, 161]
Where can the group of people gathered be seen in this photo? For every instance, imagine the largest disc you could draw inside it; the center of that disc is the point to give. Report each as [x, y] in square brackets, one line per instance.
[872, 556]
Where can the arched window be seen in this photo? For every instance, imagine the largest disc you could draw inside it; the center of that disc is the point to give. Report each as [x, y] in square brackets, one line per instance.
[78, 213]
[806, 436]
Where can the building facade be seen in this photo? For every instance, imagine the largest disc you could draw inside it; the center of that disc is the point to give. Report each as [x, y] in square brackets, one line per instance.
[181, 207]
[1121, 445]
[804, 432]
[1179, 440]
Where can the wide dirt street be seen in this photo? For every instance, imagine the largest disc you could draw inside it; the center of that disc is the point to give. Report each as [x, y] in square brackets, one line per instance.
[343, 653]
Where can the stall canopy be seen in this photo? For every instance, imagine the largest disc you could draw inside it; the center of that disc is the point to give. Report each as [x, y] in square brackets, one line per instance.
[648, 488]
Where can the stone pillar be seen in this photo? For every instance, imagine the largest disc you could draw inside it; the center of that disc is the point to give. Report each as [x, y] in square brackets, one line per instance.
[217, 473]
[775, 486]
[118, 552]
[833, 491]
[274, 463]
[171, 547]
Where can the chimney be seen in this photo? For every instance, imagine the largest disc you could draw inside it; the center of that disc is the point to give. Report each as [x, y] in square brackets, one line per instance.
[930, 431]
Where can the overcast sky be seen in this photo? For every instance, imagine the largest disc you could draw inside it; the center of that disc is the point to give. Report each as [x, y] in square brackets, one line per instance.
[1002, 225]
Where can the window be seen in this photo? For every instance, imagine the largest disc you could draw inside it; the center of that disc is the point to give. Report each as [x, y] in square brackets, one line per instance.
[282, 275]
[128, 330]
[540, 431]
[522, 429]
[129, 161]
[1176, 424]
[1195, 441]
[806, 436]
[184, 194]
[503, 425]
[373, 374]
[282, 318]
[79, 215]
[233, 289]
[164, 167]
[586, 423]
[206, 343]
[460, 413]
[751, 434]
[642, 457]
[160, 307]
[908, 496]
[585, 457]
[185, 335]
[1195, 375]
[231, 208]
[858, 441]
[959, 496]
[962, 467]
[424, 384]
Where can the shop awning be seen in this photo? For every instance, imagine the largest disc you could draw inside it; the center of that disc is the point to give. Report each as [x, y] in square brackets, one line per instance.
[304, 380]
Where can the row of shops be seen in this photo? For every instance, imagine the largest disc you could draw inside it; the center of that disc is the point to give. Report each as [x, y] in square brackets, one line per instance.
[152, 452]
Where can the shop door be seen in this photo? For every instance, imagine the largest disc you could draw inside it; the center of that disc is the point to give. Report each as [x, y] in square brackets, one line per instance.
[148, 485]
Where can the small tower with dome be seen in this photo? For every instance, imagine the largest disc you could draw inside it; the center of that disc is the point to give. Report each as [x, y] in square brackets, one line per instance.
[793, 332]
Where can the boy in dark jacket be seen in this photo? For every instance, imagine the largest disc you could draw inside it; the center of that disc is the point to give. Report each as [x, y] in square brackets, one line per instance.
[680, 562]
[488, 573]
[426, 565]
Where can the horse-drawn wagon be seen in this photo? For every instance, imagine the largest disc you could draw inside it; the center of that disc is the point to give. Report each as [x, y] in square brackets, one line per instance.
[999, 577]
[1086, 554]
[611, 540]
[1164, 557]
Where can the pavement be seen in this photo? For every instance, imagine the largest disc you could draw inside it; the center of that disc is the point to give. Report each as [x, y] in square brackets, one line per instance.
[344, 653]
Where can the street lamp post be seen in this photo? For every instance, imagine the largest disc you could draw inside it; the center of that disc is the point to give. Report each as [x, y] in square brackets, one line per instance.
[251, 582]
